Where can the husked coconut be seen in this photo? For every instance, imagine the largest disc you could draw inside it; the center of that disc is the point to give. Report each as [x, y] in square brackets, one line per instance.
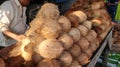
[93, 46]
[83, 43]
[50, 48]
[49, 11]
[91, 35]
[66, 59]
[66, 40]
[75, 63]
[96, 22]
[83, 59]
[96, 5]
[73, 19]
[88, 24]
[97, 12]
[88, 52]
[75, 50]
[81, 15]
[2, 63]
[51, 29]
[75, 33]
[83, 30]
[49, 63]
[65, 23]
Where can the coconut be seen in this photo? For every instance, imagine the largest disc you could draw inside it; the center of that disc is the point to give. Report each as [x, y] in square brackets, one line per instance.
[49, 11]
[49, 63]
[75, 33]
[93, 47]
[2, 63]
[97, 12]
[83, 43]
[83, 59]
[65, 23]
[96, 22]
[83, 30]
[91, 35]
[97, 42]
[75, 50]
[75, 63]
[88, 52]
[66, 59]
[50, 48]
[81, 15]
[73, 19]
[66, 40]
[88, 24]
[51, 29]
[97, 5]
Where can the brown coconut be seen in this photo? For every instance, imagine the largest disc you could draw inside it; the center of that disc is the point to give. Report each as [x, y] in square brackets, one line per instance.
[65, 23]
[75, 50]
[96, 22]
[88, 52]
[73, 19]
[66, 40]
[83, 43]
[66, 59]
[75, 63]
[49, 11]
[50, 48]
[83, 30]
[97, 12]
[91, 35]
[2, 63]
[75, 33]
[93, 47]
[81, 15]
[49, 63]
[97, 5]
[97, 41]
[88, 24]
[83, 59]
[51, 29]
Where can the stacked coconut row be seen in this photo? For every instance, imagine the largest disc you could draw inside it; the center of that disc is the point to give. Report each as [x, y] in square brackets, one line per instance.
[64, 41]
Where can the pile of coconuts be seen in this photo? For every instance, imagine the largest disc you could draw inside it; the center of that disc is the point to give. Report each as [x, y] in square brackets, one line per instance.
[55, 40]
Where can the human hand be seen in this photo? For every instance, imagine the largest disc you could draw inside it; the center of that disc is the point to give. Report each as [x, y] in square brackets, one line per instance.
[19, 38]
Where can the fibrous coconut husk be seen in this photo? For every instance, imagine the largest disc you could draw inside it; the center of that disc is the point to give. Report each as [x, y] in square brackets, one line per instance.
[2, 63]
